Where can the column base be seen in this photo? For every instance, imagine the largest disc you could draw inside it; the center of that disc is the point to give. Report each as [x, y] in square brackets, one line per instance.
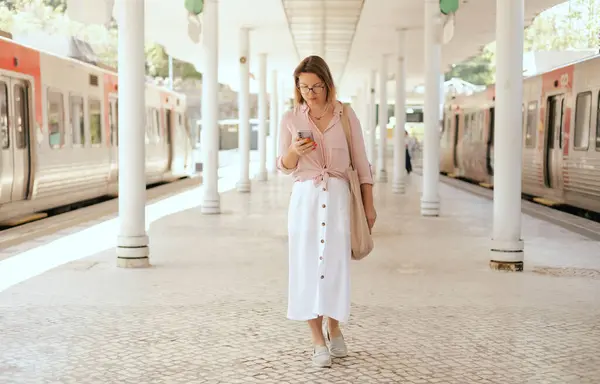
[124, 262]
[398, 187]
[507, 255]
[430, 208]
[382, 176]
[506, 266]
[211, 206]
[133, 252]
[262, 176]
[243, 186]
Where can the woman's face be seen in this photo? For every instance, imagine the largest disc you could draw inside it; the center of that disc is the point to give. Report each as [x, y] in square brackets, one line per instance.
[312, 88]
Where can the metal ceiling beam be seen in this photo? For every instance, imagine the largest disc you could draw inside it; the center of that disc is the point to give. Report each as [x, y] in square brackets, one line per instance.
[324, 27]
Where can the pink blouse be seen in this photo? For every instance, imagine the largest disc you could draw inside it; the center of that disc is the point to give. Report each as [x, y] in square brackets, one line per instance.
[331, 157]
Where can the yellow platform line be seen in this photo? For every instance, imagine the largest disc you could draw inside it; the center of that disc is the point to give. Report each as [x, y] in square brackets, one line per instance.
[541, 200]
[451, 175]
[23, 219]
[486, 185]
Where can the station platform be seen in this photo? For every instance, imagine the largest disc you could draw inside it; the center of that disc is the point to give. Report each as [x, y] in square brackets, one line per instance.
[426, 308]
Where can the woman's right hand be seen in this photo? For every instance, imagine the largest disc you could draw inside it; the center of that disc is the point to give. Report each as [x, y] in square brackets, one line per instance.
[302, 147]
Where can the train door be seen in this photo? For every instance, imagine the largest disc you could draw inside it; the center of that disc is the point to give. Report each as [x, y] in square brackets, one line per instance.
[169, 138]
[553, 140]
[15, 169]
[489, 155]
[113, 121]
[455, 144]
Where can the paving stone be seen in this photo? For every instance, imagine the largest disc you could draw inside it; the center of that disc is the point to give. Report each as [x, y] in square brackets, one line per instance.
[425, 306]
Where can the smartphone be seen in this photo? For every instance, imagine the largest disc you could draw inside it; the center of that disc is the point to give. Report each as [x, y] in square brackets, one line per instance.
[306, 135]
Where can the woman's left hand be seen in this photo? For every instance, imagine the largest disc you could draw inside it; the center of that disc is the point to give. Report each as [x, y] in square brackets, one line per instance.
[371, 216]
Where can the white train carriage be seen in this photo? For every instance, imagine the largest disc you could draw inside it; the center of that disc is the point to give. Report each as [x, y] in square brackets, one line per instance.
[59, 132]
[561, 136]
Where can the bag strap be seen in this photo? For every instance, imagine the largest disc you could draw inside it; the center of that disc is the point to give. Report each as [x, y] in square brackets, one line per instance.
[346, 125]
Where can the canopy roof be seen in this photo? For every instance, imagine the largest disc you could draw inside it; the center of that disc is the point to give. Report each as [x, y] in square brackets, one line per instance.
[352, 35]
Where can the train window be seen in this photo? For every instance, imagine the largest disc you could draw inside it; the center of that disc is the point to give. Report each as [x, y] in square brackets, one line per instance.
[583, 121]
[56, 119]
[481, 124]
[598, 124]
[155, 124]
[77, 120]
[21, 117]
[148, 123]
[531, 127]
[474, 127]
[95, 111]
[4, 118]
[113, 117]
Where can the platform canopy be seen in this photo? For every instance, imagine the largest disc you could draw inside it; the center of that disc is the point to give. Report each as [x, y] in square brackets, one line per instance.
[352, 35]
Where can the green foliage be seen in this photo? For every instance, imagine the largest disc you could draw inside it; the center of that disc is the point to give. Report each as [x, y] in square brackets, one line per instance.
[20, 16]
[158, 64]
[574, 24]
[479, 70]
[571, 25]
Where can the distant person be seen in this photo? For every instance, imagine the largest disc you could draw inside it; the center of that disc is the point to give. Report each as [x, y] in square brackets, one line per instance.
[408, 144]
[314, 150]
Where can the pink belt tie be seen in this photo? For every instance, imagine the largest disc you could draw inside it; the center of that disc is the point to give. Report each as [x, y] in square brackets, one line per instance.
[322, 178]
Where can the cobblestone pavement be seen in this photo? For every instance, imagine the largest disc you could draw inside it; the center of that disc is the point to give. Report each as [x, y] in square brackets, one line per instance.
[426, 307]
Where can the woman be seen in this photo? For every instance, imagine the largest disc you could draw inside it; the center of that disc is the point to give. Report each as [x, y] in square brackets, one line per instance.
[313, 148]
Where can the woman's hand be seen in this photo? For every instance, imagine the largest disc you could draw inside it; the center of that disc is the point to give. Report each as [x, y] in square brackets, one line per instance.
[371, 216]
[302, 147]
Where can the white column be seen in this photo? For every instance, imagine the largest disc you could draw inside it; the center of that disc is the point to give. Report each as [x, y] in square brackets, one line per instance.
[283, 102]
[507, 245]
[354, 105]
[400, 113]
[243, 184]
[383, 119]
[211, 201]
[358, 107]
[262, 118]
[274, 122]
[430, 201]
[132, 241]
[371, 120]
[365, 111]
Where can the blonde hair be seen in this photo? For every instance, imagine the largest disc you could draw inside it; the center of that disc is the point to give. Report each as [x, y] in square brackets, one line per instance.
[317, 66]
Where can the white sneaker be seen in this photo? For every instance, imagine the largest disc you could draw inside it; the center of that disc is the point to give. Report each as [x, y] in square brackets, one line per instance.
[337, 345]
[321, 357]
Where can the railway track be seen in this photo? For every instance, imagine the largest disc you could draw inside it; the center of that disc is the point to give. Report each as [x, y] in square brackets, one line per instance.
[586, 223]
[69, 219]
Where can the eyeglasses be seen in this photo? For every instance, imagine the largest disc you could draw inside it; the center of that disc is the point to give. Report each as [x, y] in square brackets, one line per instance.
[316, 89]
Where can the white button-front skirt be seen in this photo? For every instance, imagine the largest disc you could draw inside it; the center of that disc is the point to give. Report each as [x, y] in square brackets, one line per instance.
[319, 250]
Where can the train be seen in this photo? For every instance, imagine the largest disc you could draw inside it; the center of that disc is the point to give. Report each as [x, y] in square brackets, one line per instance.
[59, 132]
[560, 139]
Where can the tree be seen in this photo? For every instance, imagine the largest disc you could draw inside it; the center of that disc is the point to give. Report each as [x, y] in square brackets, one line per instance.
[571, 25]
[478, 70]
[574, 24]
[158, 64]
[49, 16]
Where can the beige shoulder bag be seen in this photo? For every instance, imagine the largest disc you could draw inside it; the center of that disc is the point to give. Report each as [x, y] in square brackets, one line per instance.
[362, 242]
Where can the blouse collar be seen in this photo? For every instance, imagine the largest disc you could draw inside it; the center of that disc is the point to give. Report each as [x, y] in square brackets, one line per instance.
[337, 108]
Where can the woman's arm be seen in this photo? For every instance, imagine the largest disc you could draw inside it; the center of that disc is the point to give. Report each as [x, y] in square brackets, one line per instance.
[287, 161]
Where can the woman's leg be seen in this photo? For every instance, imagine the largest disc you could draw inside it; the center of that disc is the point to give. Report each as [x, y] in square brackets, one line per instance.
[321, 356]
[334, 327]
[337, 345]
[316, 329]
